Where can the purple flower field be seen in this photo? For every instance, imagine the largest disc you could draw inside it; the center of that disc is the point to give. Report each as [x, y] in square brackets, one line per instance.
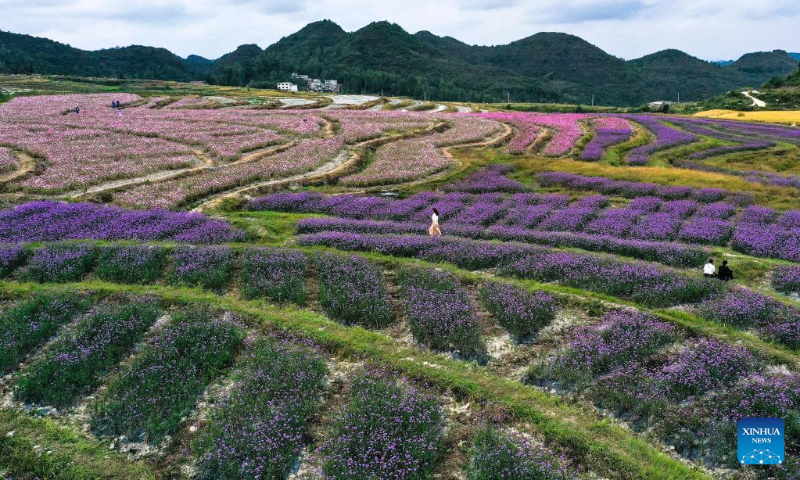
[160, 387]
[259, 429]
[300, 321]
[385, 431]
[439, 311]
[52, 221]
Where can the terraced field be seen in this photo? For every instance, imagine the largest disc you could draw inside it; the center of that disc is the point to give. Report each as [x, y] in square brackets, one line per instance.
[300, 323]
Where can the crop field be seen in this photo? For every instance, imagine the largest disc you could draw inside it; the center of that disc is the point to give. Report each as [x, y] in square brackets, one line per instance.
[207, 286]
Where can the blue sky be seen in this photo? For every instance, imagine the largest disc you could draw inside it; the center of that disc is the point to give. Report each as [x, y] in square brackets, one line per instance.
[710, 29]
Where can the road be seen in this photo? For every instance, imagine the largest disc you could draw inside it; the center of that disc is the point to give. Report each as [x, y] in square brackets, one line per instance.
[756, 102]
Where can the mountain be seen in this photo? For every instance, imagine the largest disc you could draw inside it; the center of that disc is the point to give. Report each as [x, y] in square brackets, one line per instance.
[673, 72]
[759, 66]
[382, 57]
[28, 54]
[545, 67]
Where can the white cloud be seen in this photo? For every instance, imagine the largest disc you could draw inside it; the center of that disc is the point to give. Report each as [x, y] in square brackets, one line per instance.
[713, 29]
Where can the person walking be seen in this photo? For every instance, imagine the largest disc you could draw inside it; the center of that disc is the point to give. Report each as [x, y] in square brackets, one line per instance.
[725, 272]
[434, 230]
[709, 270]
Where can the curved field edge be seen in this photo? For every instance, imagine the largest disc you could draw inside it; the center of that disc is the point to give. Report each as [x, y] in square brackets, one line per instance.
[601, 444]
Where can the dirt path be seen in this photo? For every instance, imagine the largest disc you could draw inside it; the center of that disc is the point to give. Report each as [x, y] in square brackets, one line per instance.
[205, 163]
[329, 130]
[329, 168]
[27, 165]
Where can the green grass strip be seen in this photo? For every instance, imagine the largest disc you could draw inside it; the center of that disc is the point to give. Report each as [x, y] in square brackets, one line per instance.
[599, 443]
[62, 453]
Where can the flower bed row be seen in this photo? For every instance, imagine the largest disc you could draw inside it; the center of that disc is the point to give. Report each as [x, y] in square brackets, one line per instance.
[609, 131]
[53, 221]
[352, 290]
[29, 323]
[673, 254]
[259, 428]
[304, 156]
[439, 311]
[490, 179]
[747, 309]
[413, 158]
[639, 281]
[631, 189]
[160, 387]
[666, 137]
[690, 392]
[566, 127]
[76, 362]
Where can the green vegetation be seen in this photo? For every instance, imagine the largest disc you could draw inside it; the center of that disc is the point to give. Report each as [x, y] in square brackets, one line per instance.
[539, 68]
[75, 363]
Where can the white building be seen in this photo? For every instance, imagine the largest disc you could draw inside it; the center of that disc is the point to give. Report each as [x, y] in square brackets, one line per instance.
[287, 87]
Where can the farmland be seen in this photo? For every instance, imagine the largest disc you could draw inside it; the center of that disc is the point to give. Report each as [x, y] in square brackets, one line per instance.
[204, 287]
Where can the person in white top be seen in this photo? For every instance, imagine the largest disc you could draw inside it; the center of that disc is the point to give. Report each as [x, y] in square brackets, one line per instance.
[435, 230]
[709, 270]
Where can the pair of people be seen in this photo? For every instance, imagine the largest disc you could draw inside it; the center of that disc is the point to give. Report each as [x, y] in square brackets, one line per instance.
[725, 273]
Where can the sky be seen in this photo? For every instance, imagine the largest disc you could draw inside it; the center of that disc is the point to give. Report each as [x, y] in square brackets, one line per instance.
[709, 29]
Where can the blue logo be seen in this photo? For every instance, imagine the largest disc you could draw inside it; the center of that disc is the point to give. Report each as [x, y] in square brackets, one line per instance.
[760, 441]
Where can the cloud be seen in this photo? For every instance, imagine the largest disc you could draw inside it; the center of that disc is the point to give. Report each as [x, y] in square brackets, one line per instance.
[712, 29]
[486, 4]
[588, 11]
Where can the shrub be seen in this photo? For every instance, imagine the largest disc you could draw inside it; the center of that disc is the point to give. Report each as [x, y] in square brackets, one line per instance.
[517, 310]
[61, 263]
[207, 267]
[258, 430]
[787, 279]
[30, 323]
[11, 257]
[439, 311]
[161, 386]
[743, 308]
[500, 456]
[275, 274]
[130, 263]
[386, 432]
[703, 365]
[352, 290]
[621, 337]
[74, 364]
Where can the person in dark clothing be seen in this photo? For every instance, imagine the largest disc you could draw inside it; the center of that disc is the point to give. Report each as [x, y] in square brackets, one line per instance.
[725, 272]
[77, 109]
[113, 104]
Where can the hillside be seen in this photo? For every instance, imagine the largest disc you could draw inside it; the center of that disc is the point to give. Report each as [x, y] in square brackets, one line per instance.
[672, 73]
[28, 54]
[545, 67]
[384, 58]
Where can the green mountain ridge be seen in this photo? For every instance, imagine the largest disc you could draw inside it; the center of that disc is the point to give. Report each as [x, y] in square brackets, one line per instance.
[383, 58]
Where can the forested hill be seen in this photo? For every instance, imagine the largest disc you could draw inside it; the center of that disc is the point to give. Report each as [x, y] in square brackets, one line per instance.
[27, 54]
[382, 57]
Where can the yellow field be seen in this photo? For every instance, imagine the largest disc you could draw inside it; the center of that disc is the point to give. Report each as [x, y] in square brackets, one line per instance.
[791, 117]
